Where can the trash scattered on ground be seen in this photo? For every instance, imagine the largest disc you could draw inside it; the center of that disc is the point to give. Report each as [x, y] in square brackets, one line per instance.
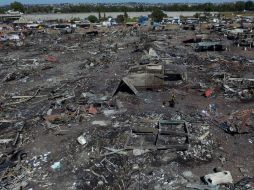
[127, 106]
[56, 166]
[218, 178]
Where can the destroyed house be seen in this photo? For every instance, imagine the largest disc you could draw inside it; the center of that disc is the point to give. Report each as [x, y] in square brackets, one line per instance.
[167, 72]
[210, 46]
[234, 34]
[196, 39]
[152, 77]
[246, 35]
[243, 87]
[245, 39]
[61, 26]
[9, 18]
[247, 42]
[146, 76]
[189, 27]
[218, 27]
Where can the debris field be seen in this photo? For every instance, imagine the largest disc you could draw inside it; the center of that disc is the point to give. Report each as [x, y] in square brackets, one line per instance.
[124, 109]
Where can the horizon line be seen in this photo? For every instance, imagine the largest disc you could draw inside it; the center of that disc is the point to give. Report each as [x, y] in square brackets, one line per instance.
[130, 2]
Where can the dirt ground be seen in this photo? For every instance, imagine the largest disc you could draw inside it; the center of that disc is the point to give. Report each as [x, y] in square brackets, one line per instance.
[56, 88]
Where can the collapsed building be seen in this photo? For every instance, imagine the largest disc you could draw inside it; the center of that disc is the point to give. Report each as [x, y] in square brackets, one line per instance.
[210, 46]
[197, 38]
[152, 77]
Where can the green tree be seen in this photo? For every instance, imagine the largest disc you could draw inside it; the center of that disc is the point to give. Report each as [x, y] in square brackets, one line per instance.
[249, 5]
[1, 10]
[99, 16]
[125, 15]
[157, 15]
[120, 19]
[92, 19]
[239, 6]
[99, 10]
[208, 7]
[196, 15]
[17, 6]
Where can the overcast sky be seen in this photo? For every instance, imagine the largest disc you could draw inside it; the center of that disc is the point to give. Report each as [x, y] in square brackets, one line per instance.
[6, 2]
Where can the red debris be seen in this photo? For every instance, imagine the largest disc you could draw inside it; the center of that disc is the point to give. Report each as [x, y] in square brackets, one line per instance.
[51, 59]
[208, 92]
[92, 110]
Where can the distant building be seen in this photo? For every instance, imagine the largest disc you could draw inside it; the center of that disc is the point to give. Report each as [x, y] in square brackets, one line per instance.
[9, 18]
[12, 12]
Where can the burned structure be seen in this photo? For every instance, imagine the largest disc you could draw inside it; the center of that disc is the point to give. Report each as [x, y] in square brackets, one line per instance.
[152, 76]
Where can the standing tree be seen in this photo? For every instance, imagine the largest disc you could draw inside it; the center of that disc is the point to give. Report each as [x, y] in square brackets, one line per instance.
[1, 10]
[17, 6]
[104, 16]
[249, 5]
[92, 19]
[208, 7]
[125, 15]
[239, 6]
[99, 9]
[157, 15]
[99, 16]
[120, 19]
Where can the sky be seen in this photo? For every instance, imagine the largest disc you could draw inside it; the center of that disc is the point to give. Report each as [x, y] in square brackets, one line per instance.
[6, 2]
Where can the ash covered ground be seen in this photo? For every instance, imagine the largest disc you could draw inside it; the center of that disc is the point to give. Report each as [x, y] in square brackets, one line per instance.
[62, 128]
